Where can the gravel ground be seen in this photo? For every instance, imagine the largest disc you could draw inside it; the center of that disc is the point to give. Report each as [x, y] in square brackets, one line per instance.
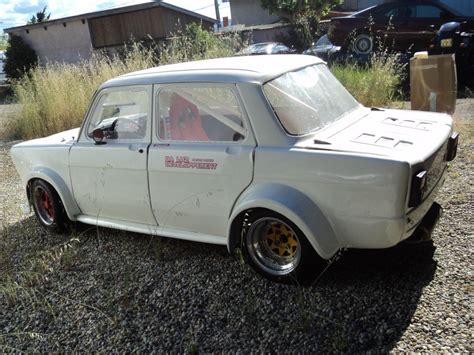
[105, 290]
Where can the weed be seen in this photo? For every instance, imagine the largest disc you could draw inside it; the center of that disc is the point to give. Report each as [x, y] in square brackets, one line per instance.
[69, 259]
[373, 84]
[157, 248]
[240, 255]
[7, 249]
[126, 297]
[5, 348]
[192, 346]
[304, 317]
[9, 291]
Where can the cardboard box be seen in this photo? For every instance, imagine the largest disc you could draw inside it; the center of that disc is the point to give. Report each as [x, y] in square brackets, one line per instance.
[433, 83]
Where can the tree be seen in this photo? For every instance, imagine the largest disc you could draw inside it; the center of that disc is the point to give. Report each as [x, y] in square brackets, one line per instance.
[304, 16]
[292, 10]
[40, 16]
[20, 58]
[3, 43]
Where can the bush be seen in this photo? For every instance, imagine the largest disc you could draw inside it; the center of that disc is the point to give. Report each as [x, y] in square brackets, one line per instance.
[195, 43]
[20, 58]
[56, 97]
[374, 84]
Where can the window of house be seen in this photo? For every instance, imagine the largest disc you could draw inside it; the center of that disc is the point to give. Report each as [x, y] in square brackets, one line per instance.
[200, 114]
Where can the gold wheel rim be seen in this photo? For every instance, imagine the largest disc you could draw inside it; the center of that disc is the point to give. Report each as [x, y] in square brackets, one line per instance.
[282, 240]
[273, 246]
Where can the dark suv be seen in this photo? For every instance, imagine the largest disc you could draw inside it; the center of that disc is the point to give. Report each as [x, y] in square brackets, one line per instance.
[399, 25]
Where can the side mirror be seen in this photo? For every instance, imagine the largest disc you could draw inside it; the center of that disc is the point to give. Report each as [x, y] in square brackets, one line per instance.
[98, 136]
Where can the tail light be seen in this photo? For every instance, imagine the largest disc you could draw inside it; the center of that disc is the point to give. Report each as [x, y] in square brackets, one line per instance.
[418, 184]
[452, 147]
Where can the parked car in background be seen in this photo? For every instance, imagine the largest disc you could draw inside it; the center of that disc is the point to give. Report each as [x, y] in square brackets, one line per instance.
[324, 49]
[457, 38]
[399, 25]
[267, 48]
[269, 155]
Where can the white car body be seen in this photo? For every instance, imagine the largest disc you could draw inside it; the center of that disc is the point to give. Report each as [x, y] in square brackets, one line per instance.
[346, 185]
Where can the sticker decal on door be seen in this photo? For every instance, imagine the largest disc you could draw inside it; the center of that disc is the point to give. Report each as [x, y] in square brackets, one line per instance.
[185, 162]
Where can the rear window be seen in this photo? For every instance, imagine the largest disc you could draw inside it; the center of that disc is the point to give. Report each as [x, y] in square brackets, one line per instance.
[308, 99]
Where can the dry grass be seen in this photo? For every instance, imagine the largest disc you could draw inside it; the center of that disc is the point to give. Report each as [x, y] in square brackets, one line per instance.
[55, 98]
[374, 84]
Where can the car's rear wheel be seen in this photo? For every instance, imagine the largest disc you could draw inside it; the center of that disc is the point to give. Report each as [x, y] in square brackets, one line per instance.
[48, 207]
[277, 248]
[363, 44]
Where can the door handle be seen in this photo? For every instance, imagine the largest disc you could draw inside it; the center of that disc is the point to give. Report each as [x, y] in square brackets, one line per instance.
[233, 150]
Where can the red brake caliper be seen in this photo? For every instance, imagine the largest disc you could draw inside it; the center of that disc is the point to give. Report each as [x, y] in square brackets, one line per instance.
[48, 206]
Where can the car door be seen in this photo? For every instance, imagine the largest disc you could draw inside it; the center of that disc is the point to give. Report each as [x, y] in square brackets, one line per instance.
[397, 29]
[201, 157]
[428, 20]
[110, 180]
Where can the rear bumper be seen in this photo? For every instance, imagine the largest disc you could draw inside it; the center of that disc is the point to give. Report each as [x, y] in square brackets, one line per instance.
[416, 216]
[424, 230]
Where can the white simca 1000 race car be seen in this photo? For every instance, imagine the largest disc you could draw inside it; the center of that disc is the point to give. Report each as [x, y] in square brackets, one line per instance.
[269, 155]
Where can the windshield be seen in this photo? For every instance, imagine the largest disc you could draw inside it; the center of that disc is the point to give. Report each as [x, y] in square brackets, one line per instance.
[308, 99]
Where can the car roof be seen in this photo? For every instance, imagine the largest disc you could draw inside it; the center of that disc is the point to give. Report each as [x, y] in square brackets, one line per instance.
[233, 69]
[388, 3]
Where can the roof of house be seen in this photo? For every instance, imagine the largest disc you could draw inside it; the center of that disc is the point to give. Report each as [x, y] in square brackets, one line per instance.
[234, 69]
[115, 11]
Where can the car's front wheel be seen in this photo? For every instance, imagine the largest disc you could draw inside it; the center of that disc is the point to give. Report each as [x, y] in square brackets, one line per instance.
[48, 206]
[277, 248]
[363, 44]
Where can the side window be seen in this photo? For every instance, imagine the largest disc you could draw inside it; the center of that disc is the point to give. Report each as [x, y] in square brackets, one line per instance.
[401, 11]
[199, 114]
[122, 114]
[426, 11]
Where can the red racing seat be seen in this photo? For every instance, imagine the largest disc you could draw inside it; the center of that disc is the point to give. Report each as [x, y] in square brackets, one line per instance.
[185, 121]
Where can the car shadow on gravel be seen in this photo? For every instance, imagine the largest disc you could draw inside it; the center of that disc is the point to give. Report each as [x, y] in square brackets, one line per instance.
[111, 290]
[380, 290]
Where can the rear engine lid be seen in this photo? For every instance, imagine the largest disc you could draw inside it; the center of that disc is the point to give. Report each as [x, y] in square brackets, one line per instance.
[411, 136]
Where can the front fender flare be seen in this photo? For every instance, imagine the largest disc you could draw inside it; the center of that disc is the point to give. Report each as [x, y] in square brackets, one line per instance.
[294, 205]
[56, 181]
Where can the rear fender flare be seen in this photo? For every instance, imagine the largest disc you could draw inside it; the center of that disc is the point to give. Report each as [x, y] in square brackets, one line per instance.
[291, 203]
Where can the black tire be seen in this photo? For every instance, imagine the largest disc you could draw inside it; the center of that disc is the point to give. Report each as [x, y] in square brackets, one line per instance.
[277, 249]
[48, 207]
[362, 43]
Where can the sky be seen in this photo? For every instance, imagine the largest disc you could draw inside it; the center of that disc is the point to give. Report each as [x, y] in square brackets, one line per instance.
[18, 12]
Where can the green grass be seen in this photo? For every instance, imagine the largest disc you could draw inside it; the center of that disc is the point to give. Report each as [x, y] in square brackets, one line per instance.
[374, 84]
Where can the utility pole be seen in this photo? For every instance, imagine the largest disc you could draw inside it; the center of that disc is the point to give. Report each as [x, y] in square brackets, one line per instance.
[218, 15]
